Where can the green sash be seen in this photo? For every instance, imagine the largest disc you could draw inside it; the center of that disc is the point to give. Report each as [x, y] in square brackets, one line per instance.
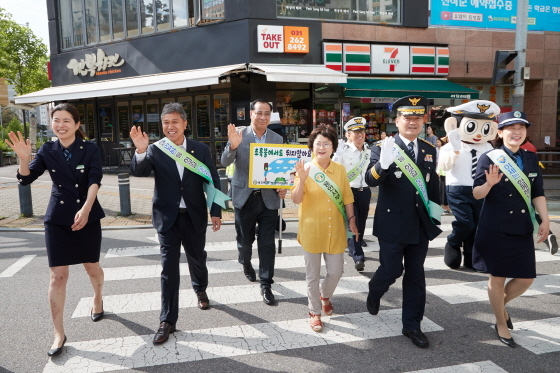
[518, 179]
[353, 173]
[413, 174]
[192, 164]
[332, 191]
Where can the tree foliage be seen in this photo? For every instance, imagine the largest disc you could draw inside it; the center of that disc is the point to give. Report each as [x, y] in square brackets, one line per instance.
[23, 56]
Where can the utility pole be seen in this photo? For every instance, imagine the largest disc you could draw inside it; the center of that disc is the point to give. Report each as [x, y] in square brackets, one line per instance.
[521, 48]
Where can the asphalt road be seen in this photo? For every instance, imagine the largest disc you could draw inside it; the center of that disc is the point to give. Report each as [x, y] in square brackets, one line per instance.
[242, 334]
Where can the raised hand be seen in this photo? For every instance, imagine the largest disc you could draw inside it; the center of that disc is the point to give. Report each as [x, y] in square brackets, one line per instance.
[493, 175]
[140, 139]
[387, 157]
[455, 139]
[19, 145]
[302, 170]
[234, 136]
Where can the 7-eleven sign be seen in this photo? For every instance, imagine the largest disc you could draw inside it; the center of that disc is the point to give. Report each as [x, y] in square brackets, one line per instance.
[390, 59]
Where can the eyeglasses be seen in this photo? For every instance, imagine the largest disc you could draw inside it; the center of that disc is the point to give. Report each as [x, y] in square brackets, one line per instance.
[326, 145]
[262, 113]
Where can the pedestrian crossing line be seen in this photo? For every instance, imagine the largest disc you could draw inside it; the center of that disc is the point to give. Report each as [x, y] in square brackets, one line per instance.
[538, 336]
[434, 263]
[245, 339]
[151, 301]
[154, 250]
[214, 266]
[467, 292]
[478, 367]
[19, 264]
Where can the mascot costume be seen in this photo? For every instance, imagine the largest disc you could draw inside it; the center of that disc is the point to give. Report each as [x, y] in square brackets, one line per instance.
[469, 129]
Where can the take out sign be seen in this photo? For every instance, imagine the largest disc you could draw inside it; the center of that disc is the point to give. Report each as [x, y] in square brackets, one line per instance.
[283, 39]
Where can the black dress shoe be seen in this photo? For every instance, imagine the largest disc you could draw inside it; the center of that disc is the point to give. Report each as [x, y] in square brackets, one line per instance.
[267, 295]
[95, 317]
[507, 341]
[56, 351]
[163, 332]
[508, 322]
[363, 243]
[203, 301]
[417, 337]
[372, 305]
[359, 265]
[249, 272]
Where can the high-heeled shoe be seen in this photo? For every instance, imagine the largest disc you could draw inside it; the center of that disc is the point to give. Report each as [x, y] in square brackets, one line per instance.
[508, 322]
[56, 351]
[316, 325]
[507, 341]
[328, 308]
[95, 317]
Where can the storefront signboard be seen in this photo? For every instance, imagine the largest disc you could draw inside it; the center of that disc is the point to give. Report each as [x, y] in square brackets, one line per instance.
[96, 64]
[283, 39]
[357, 58]
[332, 55]
[296, 39]
[544, 15]
[274, 165]
[390, 59]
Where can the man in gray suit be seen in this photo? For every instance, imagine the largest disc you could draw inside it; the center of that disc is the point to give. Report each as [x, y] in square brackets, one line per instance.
[251, 205]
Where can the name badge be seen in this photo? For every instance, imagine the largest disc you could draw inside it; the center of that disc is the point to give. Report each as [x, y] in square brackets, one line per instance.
[533, 174]
[80, 167]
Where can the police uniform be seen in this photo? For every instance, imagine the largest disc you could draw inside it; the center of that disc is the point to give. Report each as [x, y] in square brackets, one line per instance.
[402, 224]
[351, 157]
[504, 245]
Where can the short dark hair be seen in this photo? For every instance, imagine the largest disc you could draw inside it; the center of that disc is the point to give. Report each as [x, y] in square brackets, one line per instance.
[499, 142]
[73, 112]
[257, 101]
[326, 131]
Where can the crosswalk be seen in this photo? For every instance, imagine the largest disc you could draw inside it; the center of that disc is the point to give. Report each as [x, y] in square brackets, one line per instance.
[135, 351]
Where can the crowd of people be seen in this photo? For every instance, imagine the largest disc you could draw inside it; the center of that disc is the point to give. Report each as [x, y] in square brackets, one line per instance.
[418, 180]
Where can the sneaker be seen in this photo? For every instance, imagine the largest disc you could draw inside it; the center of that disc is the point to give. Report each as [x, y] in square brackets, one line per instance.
[552, 244]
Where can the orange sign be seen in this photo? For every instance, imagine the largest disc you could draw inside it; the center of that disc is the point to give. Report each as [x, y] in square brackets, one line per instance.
[296, 39]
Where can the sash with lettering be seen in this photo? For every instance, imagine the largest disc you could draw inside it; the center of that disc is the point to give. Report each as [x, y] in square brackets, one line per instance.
[332, 190]
[357, 170]
[518, 179]
[192, 164]
[413, 174]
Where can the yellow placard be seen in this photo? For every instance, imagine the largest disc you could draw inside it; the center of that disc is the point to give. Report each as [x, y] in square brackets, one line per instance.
[274, 165]
[296, 39]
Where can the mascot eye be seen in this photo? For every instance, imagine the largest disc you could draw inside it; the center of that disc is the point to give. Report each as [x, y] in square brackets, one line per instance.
[470, 127]
[486, 129]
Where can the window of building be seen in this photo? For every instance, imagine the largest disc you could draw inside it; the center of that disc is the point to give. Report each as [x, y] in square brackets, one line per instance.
[124, 121]
[163, 15]
[66, 23]
[221, 114]
[137, 109]
[131, 10]
[186, 102]
[78, 22]
[371, 11]
[180, 13]
[117, 17]
[202, 104]
[147, 16]
[104, 21]
[91, 21]
[152, 118]
[212, 9]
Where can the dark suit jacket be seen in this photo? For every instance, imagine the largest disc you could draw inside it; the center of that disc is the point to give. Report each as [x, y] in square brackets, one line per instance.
[70, 181]
[504, 209]
[169, 188]
[400, 212]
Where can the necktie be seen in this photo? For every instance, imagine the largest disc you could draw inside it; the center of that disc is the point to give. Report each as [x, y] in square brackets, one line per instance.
[519, 161]
[67, 155]
[410, 151]
[474, 163]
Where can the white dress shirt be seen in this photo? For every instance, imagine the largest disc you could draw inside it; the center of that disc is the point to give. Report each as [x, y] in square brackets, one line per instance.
[349, 156]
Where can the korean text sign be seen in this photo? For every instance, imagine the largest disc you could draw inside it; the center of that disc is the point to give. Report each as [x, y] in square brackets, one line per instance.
[274, 165]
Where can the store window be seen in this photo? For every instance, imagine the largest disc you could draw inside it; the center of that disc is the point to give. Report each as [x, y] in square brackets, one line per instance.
[66, 23]
[294, 106]
[370, 11]
[82, 113]
[152, 119]
[131, 7]
[186, 102]
[221, 114]
[137, 109]
[117, 16]
[90, 122]
[202, 104]
[124, 122]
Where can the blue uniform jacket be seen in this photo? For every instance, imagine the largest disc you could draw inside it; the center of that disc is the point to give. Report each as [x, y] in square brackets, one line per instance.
[400, 212]
[504, 209]
[169, 188]
[71, 180]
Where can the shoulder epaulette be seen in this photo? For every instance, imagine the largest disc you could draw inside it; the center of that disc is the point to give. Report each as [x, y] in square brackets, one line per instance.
[427, 142]
[378, 143]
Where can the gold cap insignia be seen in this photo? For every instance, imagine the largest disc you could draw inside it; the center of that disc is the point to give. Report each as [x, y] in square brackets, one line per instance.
[414, 101]
[358, 120]
[483, 108]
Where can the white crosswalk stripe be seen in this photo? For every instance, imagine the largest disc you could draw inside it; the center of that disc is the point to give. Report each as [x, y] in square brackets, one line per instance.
[183, 346]
[19, 264]
[478, 367]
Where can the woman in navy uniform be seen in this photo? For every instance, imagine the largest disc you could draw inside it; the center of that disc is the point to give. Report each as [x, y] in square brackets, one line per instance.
[72, 219]
[504, 245]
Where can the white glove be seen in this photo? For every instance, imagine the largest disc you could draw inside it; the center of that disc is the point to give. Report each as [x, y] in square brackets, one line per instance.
[387, 157]
[455, 139]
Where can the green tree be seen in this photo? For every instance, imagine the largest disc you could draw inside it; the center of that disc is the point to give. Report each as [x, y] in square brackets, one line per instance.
[23, 57]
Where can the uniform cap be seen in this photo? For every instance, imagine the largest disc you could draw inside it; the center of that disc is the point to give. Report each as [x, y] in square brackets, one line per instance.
[357, 123]
[512, 117]
[477, 109]
[411, 105]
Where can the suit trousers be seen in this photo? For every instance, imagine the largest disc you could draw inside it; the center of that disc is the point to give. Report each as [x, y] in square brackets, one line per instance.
[193, 242]
[254, 211]
[361, 208]
[391, 267]
[334, 264]
[466, 210]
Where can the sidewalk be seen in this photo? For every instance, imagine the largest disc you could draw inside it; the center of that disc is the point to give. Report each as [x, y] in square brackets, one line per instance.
[141, 192]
